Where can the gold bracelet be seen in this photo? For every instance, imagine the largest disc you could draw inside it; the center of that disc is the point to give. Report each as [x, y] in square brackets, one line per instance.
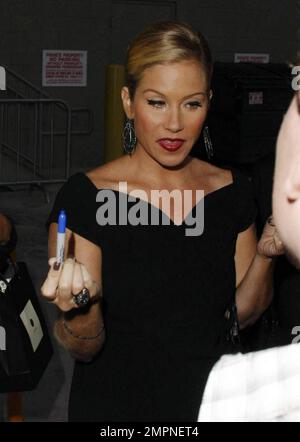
[85, 338]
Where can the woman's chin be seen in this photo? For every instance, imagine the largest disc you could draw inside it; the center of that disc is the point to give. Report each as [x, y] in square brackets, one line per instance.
[172, 160]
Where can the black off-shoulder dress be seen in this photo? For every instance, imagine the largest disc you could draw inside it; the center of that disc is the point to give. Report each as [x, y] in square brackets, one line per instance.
[164, 298]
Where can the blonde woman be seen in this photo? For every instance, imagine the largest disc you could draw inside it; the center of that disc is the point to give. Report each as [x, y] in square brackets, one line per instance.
[146, 303]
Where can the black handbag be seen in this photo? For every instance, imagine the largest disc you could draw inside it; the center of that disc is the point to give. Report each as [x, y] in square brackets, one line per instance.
[25, 345]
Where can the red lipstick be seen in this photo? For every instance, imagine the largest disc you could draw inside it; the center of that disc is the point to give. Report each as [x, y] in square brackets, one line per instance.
[170, 144]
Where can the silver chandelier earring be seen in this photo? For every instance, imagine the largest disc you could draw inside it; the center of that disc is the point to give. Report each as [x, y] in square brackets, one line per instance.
[207, 142]
[129, 137]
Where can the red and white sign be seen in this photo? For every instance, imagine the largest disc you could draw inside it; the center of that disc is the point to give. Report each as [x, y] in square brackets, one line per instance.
[64, 68]
[251, 58]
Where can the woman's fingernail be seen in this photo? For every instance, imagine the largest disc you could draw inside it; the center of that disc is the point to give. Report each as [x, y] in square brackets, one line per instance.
[56, 266]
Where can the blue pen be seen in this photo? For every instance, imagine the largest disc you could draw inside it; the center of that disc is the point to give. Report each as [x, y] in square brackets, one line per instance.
[61, 233]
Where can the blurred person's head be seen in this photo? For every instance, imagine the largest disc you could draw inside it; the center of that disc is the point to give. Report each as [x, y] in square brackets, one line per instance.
[5, 229]
[167, 92]
[286, 191]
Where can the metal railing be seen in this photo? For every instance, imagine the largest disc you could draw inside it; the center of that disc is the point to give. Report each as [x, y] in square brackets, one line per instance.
[20, 87]
[35, 133]
[35, 136]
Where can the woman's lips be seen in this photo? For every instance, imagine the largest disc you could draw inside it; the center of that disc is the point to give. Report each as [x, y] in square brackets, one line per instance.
[170, 144]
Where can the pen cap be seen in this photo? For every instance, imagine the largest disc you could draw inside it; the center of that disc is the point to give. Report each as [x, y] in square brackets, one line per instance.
[62, 222]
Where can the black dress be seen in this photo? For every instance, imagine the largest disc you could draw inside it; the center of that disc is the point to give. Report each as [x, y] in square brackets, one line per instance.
[165, 295]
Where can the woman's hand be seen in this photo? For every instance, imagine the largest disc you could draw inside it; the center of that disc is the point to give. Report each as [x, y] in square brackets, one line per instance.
[68, 280]
[270, 244]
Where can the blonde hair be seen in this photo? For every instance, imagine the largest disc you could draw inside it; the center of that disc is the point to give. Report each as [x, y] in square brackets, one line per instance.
[166, 42]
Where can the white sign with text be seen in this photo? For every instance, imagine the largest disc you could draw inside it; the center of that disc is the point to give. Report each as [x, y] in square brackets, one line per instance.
[251, 58]
[64, 68]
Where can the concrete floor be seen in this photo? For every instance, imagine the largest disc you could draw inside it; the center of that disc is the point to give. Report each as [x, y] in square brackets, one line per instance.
[29, 209]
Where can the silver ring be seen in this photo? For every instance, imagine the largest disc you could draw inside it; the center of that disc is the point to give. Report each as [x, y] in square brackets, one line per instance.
[82, 298]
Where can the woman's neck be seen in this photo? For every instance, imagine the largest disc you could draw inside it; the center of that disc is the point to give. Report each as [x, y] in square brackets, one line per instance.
[145, 168]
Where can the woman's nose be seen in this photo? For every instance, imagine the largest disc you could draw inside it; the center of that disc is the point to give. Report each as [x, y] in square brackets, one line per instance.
[174, 121]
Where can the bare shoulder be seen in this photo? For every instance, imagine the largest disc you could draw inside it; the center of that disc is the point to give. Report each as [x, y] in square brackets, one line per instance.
[214, 176]
[221, 176]
[108, 174]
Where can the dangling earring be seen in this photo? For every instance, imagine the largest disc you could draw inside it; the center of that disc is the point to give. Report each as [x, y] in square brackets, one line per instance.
[129, 137]
[207, 142]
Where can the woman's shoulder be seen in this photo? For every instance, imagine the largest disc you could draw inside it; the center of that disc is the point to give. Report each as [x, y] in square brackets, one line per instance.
[222, 176]
[107, 175]
[214, 175]
[225, 174]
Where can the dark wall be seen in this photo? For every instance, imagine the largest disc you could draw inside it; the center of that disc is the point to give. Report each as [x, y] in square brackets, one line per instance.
[29, 26]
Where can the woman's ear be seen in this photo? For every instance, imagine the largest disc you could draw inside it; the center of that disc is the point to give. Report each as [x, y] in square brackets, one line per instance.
[127, 103]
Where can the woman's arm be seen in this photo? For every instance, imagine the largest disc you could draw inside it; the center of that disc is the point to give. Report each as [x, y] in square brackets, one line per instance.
[254, 278]
[80, 330]
[83, 333]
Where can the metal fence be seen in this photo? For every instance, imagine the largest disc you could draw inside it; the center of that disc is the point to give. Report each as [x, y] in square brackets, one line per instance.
[35, 133]
[35, 141]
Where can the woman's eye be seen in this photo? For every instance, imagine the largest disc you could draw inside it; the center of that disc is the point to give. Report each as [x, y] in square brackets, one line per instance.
[156, 103]
[194, 104]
